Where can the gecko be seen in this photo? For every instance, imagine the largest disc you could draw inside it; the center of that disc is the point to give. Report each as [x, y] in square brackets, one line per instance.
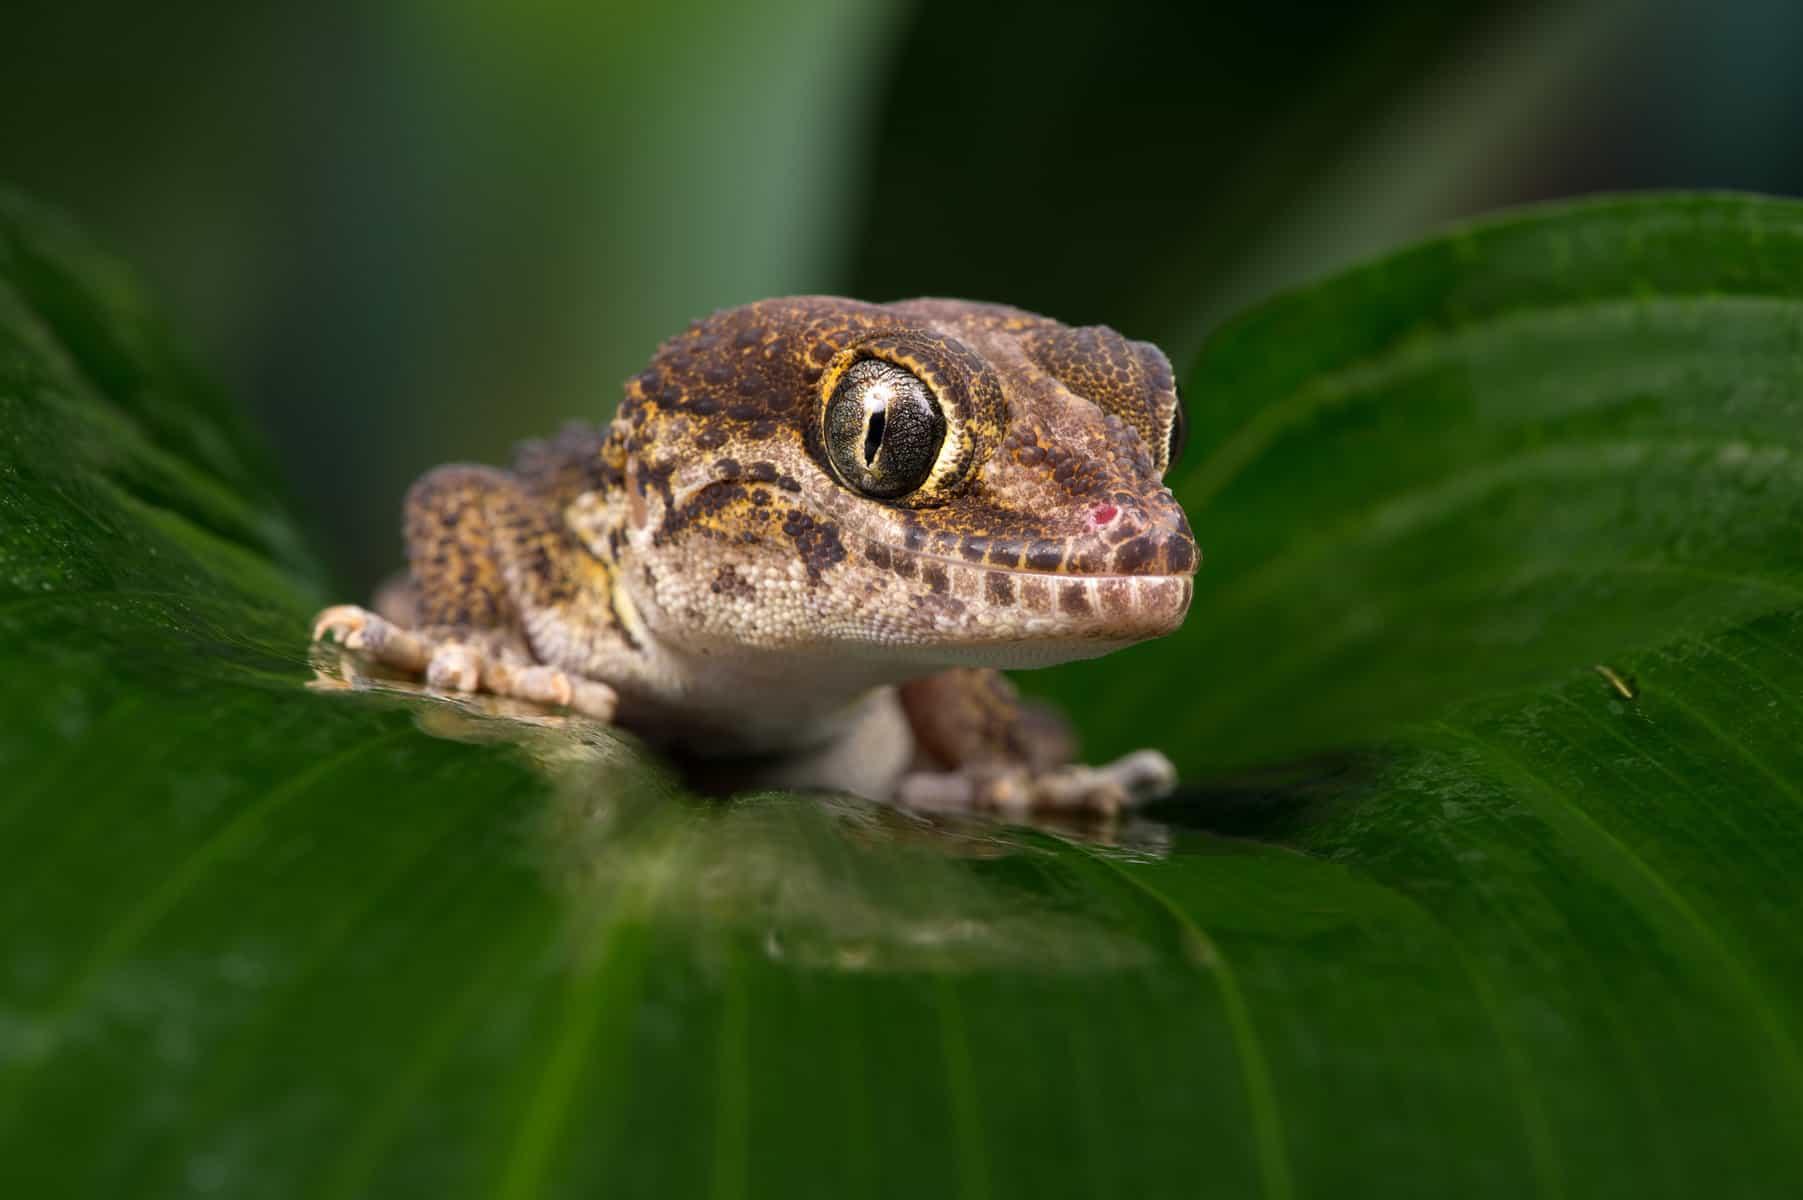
[810, 540]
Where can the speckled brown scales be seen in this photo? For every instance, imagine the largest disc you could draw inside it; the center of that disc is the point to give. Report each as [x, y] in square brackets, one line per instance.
[704, 565]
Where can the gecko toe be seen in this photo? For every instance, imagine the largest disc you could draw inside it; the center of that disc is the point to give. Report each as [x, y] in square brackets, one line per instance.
[342, 624]
[455, 667]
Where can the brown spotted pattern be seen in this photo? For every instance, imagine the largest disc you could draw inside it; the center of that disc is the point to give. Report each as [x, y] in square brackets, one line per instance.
[700, 554]
[1130, 380]
[1043, 526]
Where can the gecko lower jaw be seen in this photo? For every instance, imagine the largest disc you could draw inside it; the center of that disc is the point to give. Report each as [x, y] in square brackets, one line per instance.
[1081, 618]
[984, 607]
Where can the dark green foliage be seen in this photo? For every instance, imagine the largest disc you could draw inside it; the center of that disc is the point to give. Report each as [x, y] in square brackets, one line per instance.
[1500, 924]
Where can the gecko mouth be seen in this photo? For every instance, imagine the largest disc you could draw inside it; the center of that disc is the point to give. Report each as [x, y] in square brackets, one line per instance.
[1141, 548]
[1130, 578]
[1053, 614]
[1052, 576]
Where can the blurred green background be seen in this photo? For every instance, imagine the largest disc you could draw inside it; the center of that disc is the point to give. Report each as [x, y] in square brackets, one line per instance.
[408, 232]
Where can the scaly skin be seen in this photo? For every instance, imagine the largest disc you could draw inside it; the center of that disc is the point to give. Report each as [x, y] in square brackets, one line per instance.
[701, 572]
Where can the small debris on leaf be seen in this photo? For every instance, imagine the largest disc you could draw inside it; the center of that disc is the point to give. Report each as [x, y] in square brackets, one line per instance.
[1623, 685]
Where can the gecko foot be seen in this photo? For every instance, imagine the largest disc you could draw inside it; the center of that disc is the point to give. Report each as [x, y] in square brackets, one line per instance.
[455, 665]
[1127, 782]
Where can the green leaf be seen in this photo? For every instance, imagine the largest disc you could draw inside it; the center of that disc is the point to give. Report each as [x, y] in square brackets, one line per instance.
[1491, 460]
[1499, 923]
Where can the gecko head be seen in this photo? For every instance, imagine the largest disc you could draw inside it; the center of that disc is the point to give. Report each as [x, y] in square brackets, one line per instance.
[928, 483]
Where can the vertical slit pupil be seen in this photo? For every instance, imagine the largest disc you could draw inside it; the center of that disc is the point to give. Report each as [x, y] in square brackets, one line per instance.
[873, 436]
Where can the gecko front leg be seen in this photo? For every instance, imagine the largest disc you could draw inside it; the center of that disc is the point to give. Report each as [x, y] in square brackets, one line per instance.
[448, 661]
[482, 551]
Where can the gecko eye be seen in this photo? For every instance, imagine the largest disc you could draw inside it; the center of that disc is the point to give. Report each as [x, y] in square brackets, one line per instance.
[883, 429]
[1179, 433]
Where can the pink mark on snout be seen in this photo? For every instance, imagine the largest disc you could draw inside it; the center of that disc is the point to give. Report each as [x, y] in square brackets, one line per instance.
[1103, 514]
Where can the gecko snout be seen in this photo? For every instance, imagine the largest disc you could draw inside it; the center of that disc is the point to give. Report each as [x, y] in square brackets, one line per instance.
[1145, 538]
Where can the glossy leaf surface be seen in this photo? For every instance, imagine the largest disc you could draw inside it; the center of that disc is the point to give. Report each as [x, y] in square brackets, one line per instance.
[1496, 923]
